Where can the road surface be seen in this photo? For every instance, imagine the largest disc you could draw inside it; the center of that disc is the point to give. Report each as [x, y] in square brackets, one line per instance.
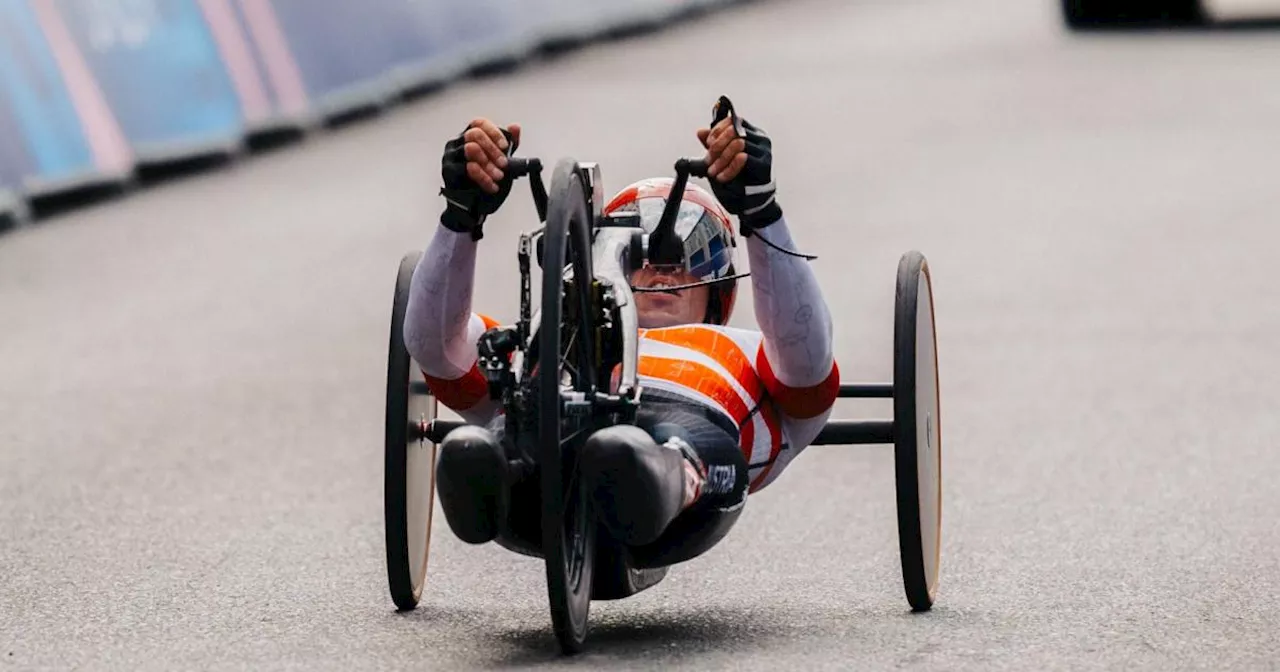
[192, 378]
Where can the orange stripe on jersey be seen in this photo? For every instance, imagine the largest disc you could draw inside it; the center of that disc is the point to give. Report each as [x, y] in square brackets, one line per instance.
[729, 355]
[703, 379]
[799, 402]
[697, 377]
[462, 393]
[717, 346]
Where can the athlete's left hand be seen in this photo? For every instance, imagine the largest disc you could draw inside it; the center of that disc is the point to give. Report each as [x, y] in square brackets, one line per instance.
[726, 151]
[740, 168]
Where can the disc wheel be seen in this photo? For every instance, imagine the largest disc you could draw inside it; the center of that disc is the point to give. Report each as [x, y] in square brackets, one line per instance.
[565, 384]
[917, 432]
[409, 472]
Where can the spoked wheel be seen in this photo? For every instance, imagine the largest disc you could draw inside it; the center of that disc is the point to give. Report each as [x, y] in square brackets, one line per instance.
[410, 476]
[917, 432]
[566, 381]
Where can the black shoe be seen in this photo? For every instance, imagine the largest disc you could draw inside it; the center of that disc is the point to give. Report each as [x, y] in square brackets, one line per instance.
[636, 485]
[471, 480]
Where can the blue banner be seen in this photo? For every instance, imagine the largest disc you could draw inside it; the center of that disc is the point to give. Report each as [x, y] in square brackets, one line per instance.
[259, 63]
[354, 54]
[421, 45]
[87, 86]
[160, 71]
[43, 143]
[570, 20]
[339, 51]
[487, 31]
[16, 160]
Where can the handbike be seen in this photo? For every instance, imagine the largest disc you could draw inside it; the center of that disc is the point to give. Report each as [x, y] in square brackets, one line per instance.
[571, 367]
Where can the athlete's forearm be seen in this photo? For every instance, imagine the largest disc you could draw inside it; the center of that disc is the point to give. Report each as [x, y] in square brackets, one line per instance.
[790, 309]
[437, 329]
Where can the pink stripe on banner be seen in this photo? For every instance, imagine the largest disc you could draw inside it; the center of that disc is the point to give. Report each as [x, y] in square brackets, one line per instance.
[281, 68]
[234, 49]
[110, 150]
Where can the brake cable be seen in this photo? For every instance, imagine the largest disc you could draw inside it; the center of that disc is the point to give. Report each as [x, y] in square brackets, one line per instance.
[676, 289]
[801, 255]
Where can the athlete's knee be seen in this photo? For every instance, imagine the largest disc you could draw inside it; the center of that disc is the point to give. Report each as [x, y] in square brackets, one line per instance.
[470, 478]
[621, 447]
[471, 445]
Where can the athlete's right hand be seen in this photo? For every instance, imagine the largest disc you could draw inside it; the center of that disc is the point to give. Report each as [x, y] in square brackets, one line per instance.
[473, 168]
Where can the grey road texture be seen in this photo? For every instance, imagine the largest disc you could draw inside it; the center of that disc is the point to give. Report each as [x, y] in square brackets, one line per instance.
[191, 379]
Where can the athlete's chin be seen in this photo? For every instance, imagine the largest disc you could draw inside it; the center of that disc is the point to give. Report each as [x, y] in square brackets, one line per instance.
[657, 319]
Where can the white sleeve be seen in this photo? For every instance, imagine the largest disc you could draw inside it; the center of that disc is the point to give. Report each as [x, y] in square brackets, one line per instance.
[795, 361]
[789, 306]
[440, 329]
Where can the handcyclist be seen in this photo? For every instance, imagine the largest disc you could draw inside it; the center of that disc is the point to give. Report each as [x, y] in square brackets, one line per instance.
[723, 409]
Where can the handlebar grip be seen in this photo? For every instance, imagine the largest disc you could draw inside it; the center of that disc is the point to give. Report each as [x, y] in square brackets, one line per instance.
[518, 168]
[694, 167]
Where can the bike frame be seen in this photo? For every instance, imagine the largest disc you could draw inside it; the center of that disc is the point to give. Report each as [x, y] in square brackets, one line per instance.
[617, 250]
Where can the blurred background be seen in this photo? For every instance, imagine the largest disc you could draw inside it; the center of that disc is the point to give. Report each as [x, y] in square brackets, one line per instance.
[193, 370]
[97, 90]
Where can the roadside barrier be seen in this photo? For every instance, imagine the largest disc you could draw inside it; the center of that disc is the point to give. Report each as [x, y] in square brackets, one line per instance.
[93, 89]
[160, 71]
[56, 132]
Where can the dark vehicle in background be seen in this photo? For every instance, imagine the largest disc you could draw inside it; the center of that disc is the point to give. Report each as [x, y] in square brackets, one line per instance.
[1093, 14]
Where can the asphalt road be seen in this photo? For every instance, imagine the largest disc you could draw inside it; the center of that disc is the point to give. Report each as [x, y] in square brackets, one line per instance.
[191, 379]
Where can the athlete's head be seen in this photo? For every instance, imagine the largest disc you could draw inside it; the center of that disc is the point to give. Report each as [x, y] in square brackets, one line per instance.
[704, 229]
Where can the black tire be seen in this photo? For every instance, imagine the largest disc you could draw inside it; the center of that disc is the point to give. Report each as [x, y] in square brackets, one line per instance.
[1094, 14]
[917, 432]
[568, 524]
[409, 472]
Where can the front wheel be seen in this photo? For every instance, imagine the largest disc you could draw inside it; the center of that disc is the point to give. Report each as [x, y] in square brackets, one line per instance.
[566, 383]
[917, 429]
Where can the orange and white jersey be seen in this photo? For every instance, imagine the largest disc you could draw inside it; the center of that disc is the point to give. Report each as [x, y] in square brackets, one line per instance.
[726, 369]
[776, 385]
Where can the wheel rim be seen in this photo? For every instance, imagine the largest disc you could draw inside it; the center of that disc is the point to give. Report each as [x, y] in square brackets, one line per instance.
[928, 433]
[917, 433]
[420, 479]
[409, 469]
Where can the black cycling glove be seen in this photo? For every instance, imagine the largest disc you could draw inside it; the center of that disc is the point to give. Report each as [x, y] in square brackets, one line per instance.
[468, 204]
[750, 195]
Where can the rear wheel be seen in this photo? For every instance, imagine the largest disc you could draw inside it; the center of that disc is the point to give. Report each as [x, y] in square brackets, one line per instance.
[917, 428]
[565, 387]
[410, 459]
